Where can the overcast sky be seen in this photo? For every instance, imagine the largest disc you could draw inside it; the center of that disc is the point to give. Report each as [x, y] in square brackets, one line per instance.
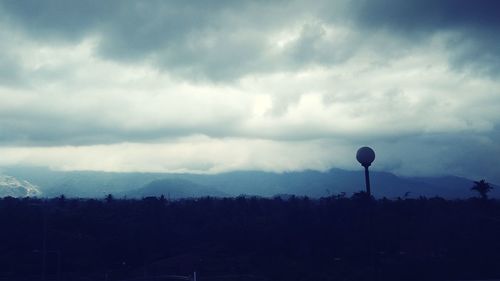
[212, 86]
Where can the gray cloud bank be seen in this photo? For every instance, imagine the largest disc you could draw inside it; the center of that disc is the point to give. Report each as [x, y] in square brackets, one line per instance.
[228, 39]
[416, 79]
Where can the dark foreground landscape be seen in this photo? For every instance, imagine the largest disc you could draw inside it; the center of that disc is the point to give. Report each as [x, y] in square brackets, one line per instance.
[249, 238]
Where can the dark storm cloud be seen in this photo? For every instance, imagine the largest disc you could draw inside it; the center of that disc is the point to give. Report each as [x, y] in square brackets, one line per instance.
[218, 40]
[73, 19]
[55, 19]
[474, 26]
[224, 40]
[430, 15]
[470, 155]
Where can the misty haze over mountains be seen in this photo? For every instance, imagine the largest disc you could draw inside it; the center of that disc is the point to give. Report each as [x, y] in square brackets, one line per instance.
[10, 186]
[314, 184]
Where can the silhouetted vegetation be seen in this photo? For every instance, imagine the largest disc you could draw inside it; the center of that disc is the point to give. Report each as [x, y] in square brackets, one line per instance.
[482, 187]
[297, 238]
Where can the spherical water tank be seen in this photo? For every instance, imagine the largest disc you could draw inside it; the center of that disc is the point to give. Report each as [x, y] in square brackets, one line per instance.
[365, 156]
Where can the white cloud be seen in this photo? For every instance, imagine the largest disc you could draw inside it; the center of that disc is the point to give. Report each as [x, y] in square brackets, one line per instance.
[197, 154]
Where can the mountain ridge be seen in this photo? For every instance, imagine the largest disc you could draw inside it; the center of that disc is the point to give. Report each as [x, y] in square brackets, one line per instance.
[260, 183]
[173, 189]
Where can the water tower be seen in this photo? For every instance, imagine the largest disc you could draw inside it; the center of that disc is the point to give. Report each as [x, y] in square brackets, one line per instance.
[365, 156]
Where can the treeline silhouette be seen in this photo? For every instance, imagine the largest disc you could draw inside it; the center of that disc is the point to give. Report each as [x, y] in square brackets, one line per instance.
[249, 238]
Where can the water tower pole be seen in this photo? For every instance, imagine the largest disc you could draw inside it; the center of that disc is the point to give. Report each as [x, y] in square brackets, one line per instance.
[367, 181]
[365, 157]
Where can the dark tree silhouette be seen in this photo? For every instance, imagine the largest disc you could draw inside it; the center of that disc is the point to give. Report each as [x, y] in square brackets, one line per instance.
[289, 238]
[109, 198]
[482, 187]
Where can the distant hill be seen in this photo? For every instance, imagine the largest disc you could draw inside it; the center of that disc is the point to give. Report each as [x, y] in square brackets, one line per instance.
[83, 184]
[173, 188]
[336, 181]
[304, 183]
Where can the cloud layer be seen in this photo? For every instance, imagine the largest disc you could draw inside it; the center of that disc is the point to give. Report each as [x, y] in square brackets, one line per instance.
[271, 85]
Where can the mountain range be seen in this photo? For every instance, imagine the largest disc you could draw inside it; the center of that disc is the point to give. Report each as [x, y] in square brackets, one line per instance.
[86, 184]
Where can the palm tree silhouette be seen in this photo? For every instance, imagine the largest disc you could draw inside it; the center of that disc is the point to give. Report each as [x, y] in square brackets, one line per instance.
[482, 187]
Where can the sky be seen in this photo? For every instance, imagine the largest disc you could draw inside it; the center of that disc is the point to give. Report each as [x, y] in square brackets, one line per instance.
[214, 86]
